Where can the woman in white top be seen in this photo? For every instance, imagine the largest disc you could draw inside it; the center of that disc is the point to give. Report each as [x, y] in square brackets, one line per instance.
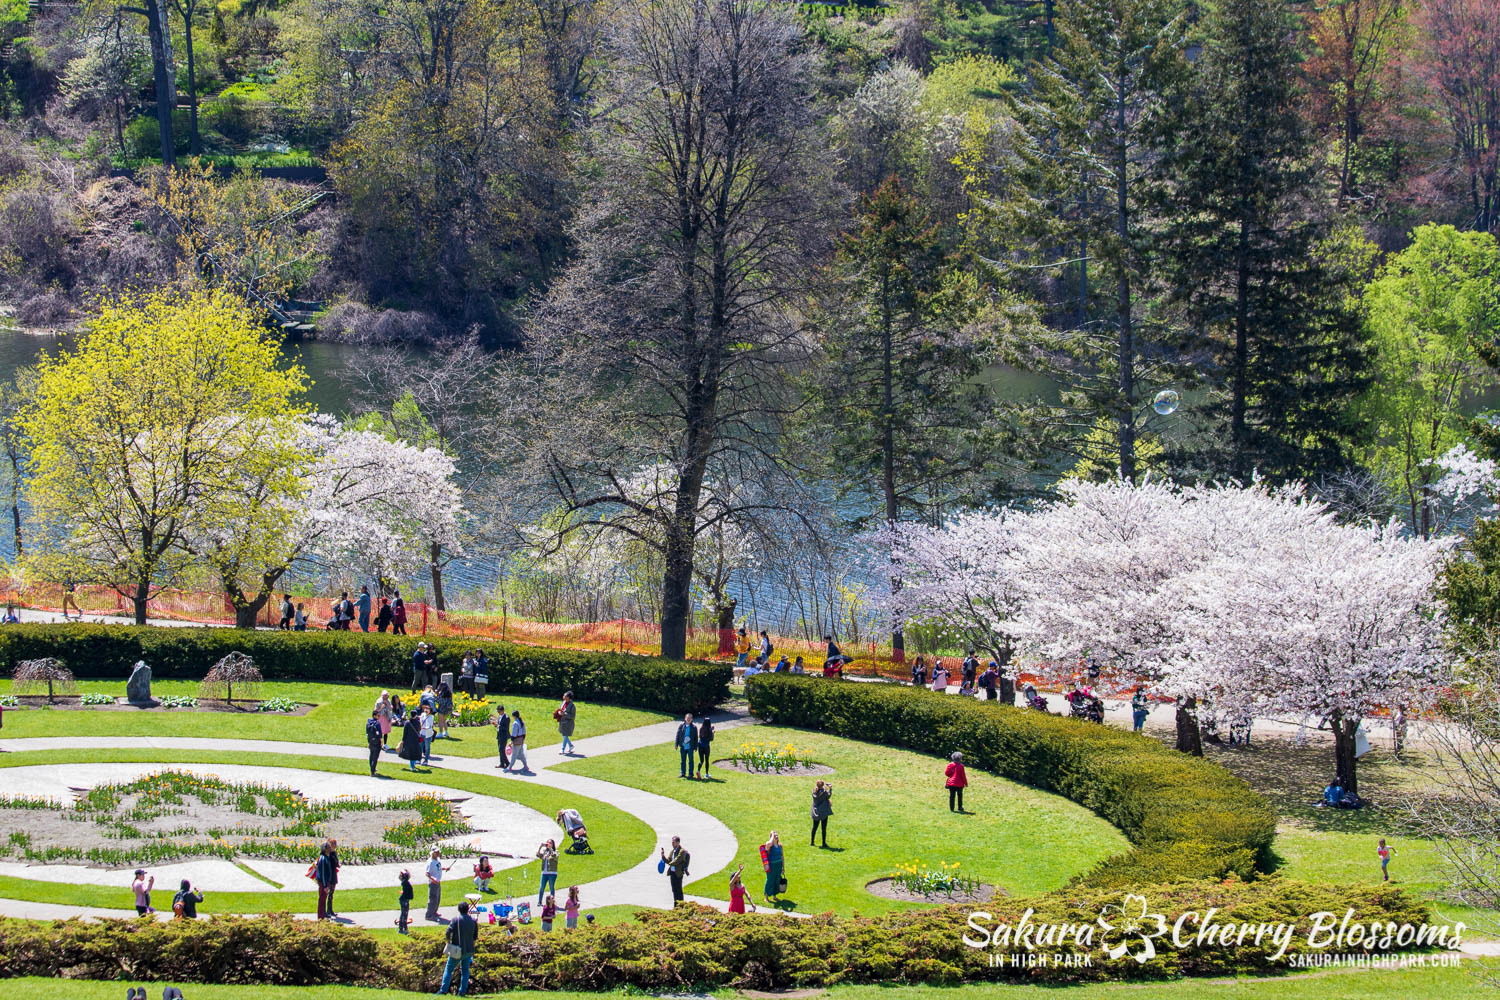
[518, 744]
[939, 676]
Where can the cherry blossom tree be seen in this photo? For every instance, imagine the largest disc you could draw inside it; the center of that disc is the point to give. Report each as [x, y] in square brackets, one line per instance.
[359, 502]
[1254, 598]
[964, 576]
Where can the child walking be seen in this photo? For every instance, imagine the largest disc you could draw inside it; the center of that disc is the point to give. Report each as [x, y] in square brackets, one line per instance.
[570, 909]
[404, 900]
[1384, 853]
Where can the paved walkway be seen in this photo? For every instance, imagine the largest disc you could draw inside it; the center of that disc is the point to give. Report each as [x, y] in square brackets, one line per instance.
[712, 844]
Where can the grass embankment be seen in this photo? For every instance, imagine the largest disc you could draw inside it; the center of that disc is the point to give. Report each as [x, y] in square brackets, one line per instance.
[889, 807]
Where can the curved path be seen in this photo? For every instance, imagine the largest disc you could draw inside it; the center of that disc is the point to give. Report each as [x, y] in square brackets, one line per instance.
[712, 844]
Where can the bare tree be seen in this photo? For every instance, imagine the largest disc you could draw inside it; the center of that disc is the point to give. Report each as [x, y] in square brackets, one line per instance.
[432, 398]
[667, 345]
[236, 668]
[32, 674]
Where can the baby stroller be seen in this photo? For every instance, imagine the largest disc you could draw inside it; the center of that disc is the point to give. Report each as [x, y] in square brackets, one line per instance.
[1034, 700]
[578, 834]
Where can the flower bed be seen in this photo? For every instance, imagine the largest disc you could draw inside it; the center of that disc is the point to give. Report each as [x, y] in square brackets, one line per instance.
[219, 819]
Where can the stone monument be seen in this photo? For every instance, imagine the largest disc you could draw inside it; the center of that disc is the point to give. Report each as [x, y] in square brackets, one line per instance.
[138, 688]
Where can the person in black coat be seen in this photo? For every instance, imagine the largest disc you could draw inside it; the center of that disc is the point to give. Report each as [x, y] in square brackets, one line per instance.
[411, 741]
[374, 738]
[705, 744]
[502, 735]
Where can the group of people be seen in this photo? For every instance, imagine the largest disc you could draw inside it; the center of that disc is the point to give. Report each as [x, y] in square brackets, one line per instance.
[972, 681]
[419, 727]
[184, 902]
[834, 659]
[389, 613]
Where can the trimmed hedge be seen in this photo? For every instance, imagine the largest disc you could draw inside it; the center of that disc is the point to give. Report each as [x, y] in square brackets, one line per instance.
[109, 651]
[1188, 818]
[691, 946]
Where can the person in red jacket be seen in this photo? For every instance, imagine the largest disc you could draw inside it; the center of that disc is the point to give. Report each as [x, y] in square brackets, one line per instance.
[957, 780]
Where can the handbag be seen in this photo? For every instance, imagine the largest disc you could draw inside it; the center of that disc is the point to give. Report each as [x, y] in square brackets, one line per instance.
[781, 886]
[452, 950]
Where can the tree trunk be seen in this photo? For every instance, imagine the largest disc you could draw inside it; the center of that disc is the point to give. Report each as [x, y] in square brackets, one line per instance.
[166, 92]
[194, 146]
[726, 625]
[142, 592]
[676, 591]
[888, 442]
[1343, 752]
[1123, 303]
[1189, 738]
[1240, 458]
[246, 609]
[436, 566]
[1007, 682]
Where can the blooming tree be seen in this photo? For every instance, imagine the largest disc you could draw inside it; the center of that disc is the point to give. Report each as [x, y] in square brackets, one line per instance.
[963, 576]
[1254, 598]
[359, 502]
[1325, 619]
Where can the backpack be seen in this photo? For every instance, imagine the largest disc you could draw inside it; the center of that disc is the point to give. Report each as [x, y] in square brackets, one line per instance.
[179, 911]
[372, 730]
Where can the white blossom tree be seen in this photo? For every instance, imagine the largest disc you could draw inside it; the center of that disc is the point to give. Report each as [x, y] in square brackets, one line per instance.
[1254, 598]
[358, 501]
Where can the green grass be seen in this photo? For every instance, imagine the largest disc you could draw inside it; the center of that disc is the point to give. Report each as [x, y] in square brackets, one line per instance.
[1342, 984]
[338, 718]
[1349, 857]
[629, 839]
[889, 808]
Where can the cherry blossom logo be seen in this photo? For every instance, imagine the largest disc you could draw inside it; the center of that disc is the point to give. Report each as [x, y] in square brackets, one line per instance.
[1128, 928]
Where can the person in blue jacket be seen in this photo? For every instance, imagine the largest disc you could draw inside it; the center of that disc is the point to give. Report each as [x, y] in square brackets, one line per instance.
[687, 745]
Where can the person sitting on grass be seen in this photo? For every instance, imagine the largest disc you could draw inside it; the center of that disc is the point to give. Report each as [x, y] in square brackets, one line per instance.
[483, 873]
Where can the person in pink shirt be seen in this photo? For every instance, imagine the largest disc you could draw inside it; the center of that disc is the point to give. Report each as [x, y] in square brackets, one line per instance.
[957, 781]
[570, 909]
[142, 889]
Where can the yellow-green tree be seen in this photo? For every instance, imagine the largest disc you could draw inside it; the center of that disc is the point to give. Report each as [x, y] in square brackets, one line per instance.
[140, 436]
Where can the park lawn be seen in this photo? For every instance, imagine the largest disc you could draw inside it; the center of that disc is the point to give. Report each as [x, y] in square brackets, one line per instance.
[889, 808]
[1452, 983]
[1336, 845]
[1322, 856]
[338, 718]
[629, 838]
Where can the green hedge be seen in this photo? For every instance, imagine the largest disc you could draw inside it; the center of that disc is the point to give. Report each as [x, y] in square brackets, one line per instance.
[1187, 818]
[107, 651]
[688, 947]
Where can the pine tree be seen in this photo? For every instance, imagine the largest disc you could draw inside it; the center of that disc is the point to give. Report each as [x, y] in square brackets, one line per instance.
[1274, 318]
[904, 343]
[1092, 178]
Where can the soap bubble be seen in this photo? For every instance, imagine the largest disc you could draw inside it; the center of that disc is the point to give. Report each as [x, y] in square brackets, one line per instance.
[1166, 401]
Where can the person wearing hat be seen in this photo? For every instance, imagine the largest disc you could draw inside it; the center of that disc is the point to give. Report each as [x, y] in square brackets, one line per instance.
[435, 872]
[422, 665]
[957, 781]
[142, 889]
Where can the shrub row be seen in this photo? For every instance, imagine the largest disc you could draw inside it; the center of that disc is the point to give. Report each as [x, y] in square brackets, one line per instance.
[1187, 818]
[697, 947]
[109, 651]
